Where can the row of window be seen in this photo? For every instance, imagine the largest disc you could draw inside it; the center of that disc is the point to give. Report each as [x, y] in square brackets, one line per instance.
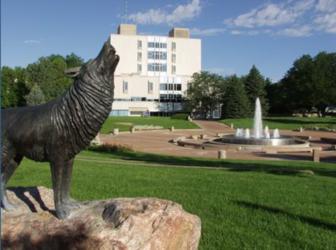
[170, 86]
[119, 112]
[163, 98]
[158, 55]
[137, 99]
[157, 45]
[150, 87]
[157, 67]
[170, 97]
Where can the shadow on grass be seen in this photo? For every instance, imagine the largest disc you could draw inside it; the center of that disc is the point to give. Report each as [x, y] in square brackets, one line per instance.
[327, 159]
[279, 167]
[305, 219]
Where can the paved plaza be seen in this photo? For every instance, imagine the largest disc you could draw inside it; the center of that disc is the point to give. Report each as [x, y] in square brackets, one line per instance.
[158, 142]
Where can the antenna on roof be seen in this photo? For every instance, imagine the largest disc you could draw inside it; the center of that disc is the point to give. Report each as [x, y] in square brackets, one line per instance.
[125, 10]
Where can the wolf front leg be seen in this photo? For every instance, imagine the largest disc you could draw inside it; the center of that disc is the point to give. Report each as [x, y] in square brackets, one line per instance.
[61, 172]
[9, 163]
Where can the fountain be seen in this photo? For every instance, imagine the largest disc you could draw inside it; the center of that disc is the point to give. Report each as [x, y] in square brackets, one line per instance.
[260, 135]
[257, 139]
[257, 124]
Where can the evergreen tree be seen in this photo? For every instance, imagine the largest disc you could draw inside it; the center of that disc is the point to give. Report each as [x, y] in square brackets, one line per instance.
[35, 96]
[255, 86]
[235, 101]
[311, 83]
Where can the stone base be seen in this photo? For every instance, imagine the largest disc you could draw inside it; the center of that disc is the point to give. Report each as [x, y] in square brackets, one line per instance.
[122, 223]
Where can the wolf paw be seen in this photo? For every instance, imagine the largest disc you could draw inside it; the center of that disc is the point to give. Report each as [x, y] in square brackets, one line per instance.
[6, 205]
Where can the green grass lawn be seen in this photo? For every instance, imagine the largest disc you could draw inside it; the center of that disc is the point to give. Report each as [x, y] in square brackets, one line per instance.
[286, 122]
[242, 205]
[124, 123]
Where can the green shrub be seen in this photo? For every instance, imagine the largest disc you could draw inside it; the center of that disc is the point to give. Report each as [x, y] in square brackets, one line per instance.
[111, 148]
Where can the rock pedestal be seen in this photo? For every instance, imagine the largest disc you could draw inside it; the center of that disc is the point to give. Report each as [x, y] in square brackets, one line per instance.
[122, 223]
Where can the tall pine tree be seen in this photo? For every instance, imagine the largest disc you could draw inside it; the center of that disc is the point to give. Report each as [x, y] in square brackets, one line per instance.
[255, 86]
[235, 101]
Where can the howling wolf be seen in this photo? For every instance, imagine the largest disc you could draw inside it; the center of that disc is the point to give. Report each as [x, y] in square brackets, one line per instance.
[58, 130]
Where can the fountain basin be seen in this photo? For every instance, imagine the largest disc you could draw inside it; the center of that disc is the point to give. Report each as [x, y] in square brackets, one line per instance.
[281, 141]
[230, 142]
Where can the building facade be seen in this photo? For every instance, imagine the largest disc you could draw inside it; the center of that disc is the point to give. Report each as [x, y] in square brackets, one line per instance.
[153, 73]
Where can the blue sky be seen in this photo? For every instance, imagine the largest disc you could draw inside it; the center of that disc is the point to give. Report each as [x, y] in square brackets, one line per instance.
[235, 34]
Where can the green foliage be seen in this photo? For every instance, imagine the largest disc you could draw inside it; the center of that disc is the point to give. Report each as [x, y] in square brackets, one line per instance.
[205, 92]
[35, 96]
[242, 204]
[255, 87]
[13, 88]
[48, 74]
[73, 60]
[276, 98]
[310, 83]
[235, 100]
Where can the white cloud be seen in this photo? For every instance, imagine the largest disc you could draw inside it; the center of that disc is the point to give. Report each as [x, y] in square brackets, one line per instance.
[293, 18]
[207, 32]
[253, 32]
[301, 31]
[31, 41]
[326, 22]
[159, 16]
[326, 5]
[272, 14]
[236, 32]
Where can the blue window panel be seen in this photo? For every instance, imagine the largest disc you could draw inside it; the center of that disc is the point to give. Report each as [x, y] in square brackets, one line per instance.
[119, 112]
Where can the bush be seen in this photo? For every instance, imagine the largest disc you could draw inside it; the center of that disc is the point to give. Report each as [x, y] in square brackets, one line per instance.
[180, 116]
[111, 148]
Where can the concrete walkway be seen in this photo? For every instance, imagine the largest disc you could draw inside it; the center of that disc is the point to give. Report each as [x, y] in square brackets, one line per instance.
[158, 142]
[213, 127]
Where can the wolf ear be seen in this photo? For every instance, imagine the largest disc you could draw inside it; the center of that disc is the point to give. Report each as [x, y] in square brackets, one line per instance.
[72, 72]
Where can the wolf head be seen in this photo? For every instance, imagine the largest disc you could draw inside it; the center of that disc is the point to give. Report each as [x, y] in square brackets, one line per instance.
[101, 69]
[107, 60]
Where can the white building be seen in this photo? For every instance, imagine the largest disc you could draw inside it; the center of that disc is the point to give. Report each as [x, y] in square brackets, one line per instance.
[153, 71]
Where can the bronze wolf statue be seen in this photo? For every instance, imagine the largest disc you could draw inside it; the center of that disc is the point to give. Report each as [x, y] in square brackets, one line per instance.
[58, 130]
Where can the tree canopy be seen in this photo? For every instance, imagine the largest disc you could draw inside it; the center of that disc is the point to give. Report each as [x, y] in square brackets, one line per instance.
[208, 92]
[35, 96]
[13, 87]
[309, 83]
[255, 86]
[42, 78]
[235, 102]
[204, 92]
